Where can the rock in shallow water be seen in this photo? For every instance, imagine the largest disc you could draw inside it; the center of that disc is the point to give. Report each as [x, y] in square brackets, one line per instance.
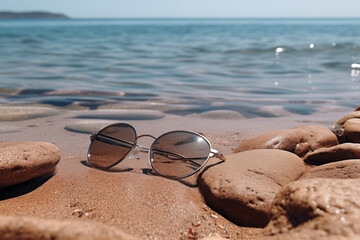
[19, 228]
[342, 169]
[220, 114]
[88, 126]
[300, 140]
[24, 113]
[119, 114]
[22, 161]
[352, 115]
[339, 152]
[316, 209]
[243, 187]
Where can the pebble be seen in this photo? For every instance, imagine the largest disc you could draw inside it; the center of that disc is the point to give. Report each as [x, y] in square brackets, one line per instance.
[243, 187]
[22, 161]
[25, 113]
[120, 114]
[341, 169]
[18, 228]
[316, 209]
[300, 140]
[339, 152]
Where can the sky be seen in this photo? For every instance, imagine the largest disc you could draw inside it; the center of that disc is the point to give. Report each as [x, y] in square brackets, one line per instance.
[189, 8]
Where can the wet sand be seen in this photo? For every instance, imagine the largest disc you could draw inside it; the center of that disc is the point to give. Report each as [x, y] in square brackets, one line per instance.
[130, 197]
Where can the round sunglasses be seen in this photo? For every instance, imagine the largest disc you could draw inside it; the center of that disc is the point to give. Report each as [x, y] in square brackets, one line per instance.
[174, 155]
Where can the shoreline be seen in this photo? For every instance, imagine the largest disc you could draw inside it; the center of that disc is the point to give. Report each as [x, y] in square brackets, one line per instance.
[146, 206]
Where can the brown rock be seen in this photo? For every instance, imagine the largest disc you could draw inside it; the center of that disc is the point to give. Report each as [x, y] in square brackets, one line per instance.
[300, 140]
[316, 209]
[357, 108]
[22, 161]
[342, 169]
[351, 115]
[19, 228]
[352, 130]
[243, 187]
[339, 152]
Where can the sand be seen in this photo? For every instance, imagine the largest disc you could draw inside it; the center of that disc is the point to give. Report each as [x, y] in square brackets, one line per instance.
[129, 197]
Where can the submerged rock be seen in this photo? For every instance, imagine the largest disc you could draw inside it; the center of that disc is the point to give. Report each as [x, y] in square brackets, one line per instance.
[300, 140]
[121, 114]
[316, 209]
[341, 169]
[220, 114]
[24, 113]
[19, 228]
[88, 126]
[243, 187]
[339, 152]
[22, 161]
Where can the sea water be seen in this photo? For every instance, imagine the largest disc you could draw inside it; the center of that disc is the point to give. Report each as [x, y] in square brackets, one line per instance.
[187, 65]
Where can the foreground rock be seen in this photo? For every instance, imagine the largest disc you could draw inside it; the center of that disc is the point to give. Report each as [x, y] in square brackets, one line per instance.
[300, 140]
[341, 169]
[339, 152]
[243, 187]
[316, 209]
[352, 115]
[352, 130]
[22, 161]
[19, 228]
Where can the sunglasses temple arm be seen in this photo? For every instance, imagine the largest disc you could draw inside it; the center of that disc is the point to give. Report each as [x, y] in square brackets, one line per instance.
[217, 154]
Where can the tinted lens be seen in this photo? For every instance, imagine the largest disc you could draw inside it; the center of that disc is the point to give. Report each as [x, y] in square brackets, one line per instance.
[179, 154]
[111, 145]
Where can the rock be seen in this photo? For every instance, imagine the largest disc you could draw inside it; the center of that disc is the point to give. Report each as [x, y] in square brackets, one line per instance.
[243, 187]
[274, 111]
[88, 126]
[300, 140]
[120, 114]
[19, 228]
[342, 169]
[220, 114]
[357, 108]
[24, 113]
[351, 115]
[339, 152]
[9, 128]
[352, 130]
[22, 161]
[316, 209]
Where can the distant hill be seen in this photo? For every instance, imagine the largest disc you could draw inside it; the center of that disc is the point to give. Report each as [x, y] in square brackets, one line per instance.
[31, 15]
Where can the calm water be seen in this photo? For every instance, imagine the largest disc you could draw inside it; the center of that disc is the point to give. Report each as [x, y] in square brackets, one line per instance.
[190, 65]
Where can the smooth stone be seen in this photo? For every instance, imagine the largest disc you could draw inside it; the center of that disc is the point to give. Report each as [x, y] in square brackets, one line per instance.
[120, 114]
[22, 161]
[19, 228]
[274, 111]
[341, 170]
[158, 106]
[88, 126]
[9, 128]
[316, 209]
[339, 152]
[357, 108]
[300, 140]
[352, 130]
[351, 115]
[25, 113]
[220, 114]
[244, 186]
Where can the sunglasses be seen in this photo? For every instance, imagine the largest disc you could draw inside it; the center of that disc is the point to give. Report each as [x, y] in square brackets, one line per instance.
[174, 155]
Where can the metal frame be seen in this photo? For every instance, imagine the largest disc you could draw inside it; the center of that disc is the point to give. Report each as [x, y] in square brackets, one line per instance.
[212, 152]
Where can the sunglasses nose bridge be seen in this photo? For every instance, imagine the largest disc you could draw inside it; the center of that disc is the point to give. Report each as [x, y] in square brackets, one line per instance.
[140, 148]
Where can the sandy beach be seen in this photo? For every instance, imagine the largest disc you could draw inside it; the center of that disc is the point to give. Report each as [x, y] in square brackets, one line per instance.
[129, 197]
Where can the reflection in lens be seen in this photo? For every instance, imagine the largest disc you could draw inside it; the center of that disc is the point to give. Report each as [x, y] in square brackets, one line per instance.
[178, 154]
[111, 145]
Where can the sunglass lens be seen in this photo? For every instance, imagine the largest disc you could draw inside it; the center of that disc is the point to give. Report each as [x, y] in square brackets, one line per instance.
[111, 145]
[179, 154]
